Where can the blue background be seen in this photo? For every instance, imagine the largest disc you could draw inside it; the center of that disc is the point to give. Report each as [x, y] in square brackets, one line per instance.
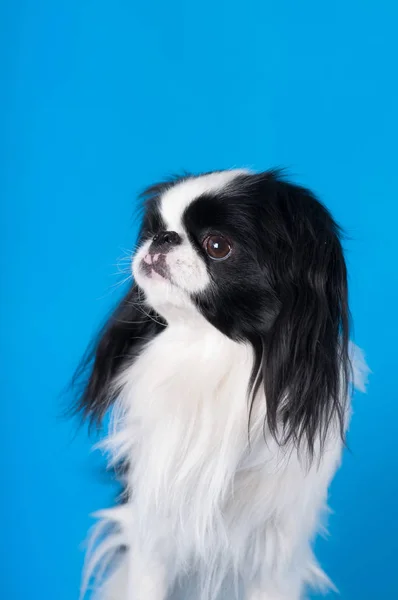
[99, 99]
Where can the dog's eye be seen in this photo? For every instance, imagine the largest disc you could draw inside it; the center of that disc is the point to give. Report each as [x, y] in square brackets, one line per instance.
[217, 247]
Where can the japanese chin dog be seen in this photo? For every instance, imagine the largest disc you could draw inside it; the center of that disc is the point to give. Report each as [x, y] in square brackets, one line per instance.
[228, 371]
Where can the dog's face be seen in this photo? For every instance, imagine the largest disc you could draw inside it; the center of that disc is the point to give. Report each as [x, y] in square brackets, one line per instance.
[205, 248]
[186, 239]
[258, 258]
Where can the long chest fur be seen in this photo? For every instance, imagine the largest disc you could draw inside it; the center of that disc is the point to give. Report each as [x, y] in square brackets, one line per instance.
[182, 424]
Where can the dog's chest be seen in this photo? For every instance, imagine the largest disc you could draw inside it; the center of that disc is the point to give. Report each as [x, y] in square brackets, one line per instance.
[189, 375]
[184, 433]
[185, 405]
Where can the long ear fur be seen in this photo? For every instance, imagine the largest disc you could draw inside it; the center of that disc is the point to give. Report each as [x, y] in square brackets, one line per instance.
[305, 364]
[131, 326]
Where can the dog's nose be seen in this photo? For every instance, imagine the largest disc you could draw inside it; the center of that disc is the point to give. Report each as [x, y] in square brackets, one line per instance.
[166, 239]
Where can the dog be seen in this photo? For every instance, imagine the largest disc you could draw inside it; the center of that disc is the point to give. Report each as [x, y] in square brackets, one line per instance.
[228, 372]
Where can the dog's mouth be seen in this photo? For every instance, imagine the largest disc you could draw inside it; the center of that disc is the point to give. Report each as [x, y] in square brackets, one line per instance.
[155, 266]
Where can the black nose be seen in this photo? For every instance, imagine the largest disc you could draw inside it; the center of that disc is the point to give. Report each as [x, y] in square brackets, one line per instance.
[170, 238]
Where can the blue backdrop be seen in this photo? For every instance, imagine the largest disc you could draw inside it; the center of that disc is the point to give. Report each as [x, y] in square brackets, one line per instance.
[99, 99]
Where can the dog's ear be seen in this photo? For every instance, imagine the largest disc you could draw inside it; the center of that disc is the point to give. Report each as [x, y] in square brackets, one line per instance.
[305, 364]
[132, 325]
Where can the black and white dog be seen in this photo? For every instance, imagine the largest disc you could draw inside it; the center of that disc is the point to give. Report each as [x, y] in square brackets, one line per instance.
[228, 369]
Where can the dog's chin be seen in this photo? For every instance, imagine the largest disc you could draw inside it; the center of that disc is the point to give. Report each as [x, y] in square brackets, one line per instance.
[164, 295]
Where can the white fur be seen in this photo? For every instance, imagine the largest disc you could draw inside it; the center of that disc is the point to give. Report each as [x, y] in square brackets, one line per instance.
[203, 498]
[175, 200]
